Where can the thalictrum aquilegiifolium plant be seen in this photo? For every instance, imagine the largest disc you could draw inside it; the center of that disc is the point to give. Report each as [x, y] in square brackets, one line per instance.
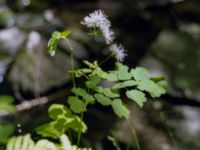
[136, 82]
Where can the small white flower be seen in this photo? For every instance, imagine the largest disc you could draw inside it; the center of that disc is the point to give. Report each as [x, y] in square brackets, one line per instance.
[119, 51]
[99, 19]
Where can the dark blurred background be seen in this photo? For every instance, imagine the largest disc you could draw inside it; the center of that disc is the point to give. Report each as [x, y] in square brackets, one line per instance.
[161, 35]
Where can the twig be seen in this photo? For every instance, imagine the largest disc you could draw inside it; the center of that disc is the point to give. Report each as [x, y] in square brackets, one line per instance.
[29, 104]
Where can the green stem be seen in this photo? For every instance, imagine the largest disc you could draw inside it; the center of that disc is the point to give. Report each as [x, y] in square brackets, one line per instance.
[71, 61]
[135, 135]
[106, 59]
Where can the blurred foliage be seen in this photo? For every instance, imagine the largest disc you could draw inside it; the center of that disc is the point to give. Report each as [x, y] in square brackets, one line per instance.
[183, 53]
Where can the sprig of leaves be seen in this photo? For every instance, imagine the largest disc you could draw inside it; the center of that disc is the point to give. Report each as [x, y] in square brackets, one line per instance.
[53, 41]
[136, 82]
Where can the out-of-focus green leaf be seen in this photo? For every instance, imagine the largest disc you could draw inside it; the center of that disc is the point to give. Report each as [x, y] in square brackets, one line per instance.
[152, 88]
[6, 131]
[119, 109]
[6, 104]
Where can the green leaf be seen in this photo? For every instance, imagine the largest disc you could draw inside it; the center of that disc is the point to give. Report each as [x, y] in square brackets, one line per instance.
[152, 88]
[93, 81]
[137, 96]
[6, 104]
[56, 110]
[122, 72]
[98, 71]
[76, 105]
[140, 73]
[107, 92]
[124, 84]
[5, 132]
[62, 121]
[157, 79]
[119, 109]
[78, 125]
[105, 101]
[81, 92]
[163, 84]
[49, 130]
[111, 77]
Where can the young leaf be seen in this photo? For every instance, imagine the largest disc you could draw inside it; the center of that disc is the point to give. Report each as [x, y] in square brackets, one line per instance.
[53, 42]
[137, 96]
[76, 105]
[119, 109]
[124, 84]
[105, 101]
[140, 73]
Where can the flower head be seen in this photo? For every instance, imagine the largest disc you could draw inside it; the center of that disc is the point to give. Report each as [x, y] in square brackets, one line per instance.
[119, 52]
[99, 19]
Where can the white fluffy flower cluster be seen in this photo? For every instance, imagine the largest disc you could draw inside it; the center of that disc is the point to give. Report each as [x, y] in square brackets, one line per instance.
[99, 19]
[119, 52]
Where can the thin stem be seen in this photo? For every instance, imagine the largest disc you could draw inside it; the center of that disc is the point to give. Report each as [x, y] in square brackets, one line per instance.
[106, 59]
[71, 61]
[135, 135]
